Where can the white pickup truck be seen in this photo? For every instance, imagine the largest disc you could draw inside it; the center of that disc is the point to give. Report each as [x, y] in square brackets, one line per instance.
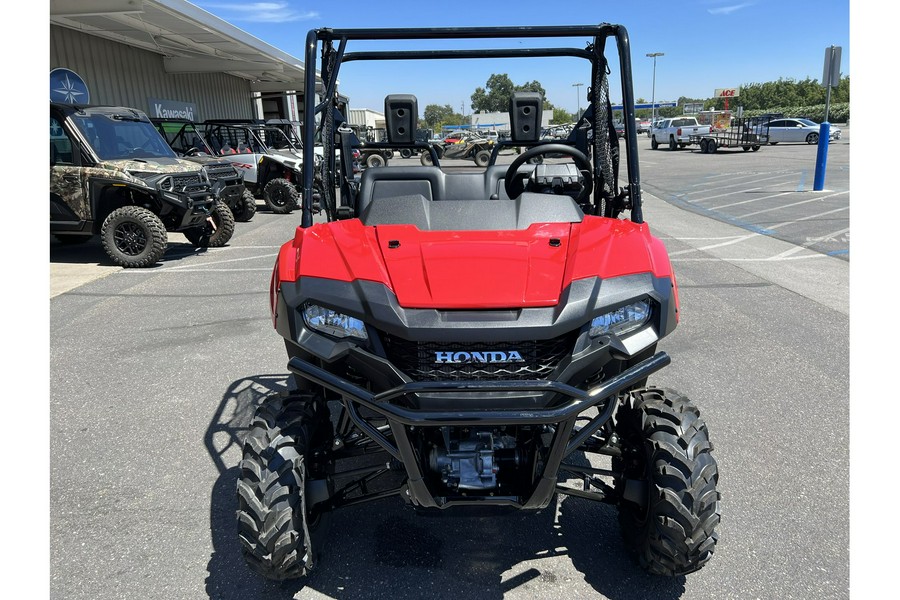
[676, 132]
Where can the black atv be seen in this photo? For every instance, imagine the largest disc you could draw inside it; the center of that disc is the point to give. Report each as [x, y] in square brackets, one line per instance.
[111, 173]
[478, 338]
[227, 182]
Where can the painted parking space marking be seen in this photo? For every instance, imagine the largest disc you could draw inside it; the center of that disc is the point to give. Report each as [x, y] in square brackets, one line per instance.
[721, 206]
[828, 237]
[789, 254]
[784, 206]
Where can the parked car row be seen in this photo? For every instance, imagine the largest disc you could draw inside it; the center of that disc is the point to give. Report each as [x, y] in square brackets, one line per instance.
[797, 130]
[676, 131]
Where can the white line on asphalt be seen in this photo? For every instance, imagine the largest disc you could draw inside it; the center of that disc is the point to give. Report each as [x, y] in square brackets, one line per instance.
[810, 242]
[776, 258]
[808, 217]
[694, 239]
[741, 183]
[756, 234]
[781, 206]
[218, 262]
[195, 270]
[711, 246]
[721, 206]
[754, 174]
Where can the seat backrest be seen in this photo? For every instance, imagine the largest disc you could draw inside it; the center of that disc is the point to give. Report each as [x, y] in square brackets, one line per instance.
[391, 182]
[432, 184]
[495, 180]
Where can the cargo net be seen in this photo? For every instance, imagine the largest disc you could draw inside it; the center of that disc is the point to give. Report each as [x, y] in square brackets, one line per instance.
[327, 167]
[605, 146]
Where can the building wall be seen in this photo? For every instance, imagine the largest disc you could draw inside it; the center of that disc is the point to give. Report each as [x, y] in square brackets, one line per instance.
[365, 117]
[499, 121]
[118, 74]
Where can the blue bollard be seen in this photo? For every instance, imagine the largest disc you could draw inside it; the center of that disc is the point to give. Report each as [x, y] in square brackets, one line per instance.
[822, 156]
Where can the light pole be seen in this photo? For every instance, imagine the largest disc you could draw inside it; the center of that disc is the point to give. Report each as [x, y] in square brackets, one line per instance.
[653, 55]
[577, 87]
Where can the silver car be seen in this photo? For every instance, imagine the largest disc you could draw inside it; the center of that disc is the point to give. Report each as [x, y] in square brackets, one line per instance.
[796, 130]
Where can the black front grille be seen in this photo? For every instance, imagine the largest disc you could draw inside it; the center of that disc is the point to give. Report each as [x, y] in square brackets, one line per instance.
[217, 172]
[477, 360]
[182, 181]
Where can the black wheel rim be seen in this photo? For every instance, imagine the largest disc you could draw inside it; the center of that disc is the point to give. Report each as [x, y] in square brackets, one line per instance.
[278, 197]
[130, 238]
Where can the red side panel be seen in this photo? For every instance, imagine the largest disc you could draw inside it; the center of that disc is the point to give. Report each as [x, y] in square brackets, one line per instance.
[342, 250]
[613, 248]
[474, 269]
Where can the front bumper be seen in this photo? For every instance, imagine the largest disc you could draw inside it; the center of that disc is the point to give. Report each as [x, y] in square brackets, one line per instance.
[229, 190]
[196, 204]
[562, 414]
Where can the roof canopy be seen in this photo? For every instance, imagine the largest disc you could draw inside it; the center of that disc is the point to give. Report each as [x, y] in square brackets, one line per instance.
[190, 39]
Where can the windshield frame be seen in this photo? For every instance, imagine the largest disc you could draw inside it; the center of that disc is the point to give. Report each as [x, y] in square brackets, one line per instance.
[118, 137]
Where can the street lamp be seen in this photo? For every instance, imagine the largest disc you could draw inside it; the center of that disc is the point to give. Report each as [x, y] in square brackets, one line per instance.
[578, 99]
[653, 55]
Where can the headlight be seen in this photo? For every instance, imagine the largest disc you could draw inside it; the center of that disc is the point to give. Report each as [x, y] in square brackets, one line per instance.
[333, 323]
[622, 320]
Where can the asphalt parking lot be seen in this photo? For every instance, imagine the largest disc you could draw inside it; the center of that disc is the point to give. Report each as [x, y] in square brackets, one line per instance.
[154, 374]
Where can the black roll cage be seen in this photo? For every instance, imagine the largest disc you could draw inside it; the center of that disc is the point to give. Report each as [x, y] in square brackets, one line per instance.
[321, 117]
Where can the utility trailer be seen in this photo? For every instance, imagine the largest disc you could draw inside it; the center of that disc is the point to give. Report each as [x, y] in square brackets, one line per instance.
[739, 134]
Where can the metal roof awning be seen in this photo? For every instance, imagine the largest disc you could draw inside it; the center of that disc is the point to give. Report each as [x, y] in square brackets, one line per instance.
[190, 39]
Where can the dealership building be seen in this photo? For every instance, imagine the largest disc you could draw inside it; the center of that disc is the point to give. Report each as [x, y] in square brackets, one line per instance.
[168, 58]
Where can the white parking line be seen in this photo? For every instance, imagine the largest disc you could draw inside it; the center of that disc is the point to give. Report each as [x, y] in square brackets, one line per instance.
[193, 270]
[708, 179]
[743, 183]
[754, 235]
[694, 239]
[732, 241]
[776, 258]
[721, 206]
[230, 260]
[781, 206]
[810, 242]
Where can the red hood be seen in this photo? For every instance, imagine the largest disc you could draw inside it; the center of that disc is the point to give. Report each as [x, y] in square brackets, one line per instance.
[474, 269]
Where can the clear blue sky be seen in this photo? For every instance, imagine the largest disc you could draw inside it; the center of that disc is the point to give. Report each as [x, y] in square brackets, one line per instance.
[708, 44]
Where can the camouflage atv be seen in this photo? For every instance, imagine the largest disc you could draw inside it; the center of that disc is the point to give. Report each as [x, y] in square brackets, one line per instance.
[112, 174]
[226, 180]
[469, 145]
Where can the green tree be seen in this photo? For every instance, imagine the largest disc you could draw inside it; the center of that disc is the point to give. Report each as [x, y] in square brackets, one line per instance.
[494, 96]
[561, 116]
[436, 116]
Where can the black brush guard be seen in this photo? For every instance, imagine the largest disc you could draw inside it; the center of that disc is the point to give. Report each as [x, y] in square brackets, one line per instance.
[566, 440]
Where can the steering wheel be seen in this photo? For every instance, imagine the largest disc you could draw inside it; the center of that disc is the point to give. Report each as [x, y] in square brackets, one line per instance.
[514, 186]
[192, 151]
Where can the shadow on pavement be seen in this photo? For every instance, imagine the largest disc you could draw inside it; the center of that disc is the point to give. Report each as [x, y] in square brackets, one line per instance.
[385, 549]
[92, 252]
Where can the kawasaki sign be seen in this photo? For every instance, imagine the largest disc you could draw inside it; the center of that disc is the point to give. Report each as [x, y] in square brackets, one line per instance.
[172, 109]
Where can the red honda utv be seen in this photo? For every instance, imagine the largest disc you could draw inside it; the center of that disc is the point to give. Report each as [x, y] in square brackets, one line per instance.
[477, 336]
